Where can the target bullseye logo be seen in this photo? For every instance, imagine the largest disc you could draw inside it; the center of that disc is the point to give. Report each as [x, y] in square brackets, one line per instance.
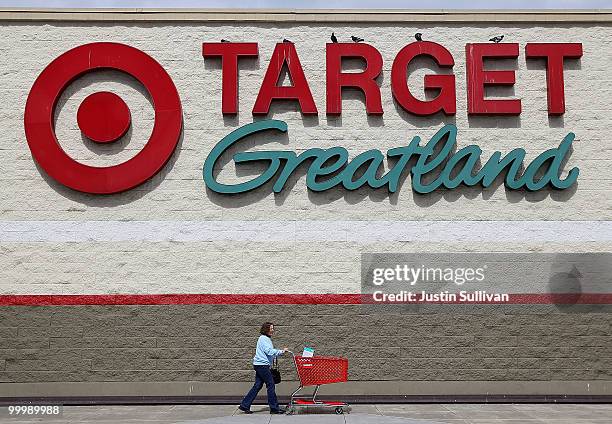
[103, 117]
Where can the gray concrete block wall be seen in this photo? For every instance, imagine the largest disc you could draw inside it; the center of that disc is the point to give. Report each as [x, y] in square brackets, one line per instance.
[215, 343]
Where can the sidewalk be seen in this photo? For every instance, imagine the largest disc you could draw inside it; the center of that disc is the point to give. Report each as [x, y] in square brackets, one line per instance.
[361, 414]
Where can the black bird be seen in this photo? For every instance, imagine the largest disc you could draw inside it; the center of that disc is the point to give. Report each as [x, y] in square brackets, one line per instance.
[287, 41]
[333, 38]
[225, 41]
[356, 39]
[418, 36]
[497, 39]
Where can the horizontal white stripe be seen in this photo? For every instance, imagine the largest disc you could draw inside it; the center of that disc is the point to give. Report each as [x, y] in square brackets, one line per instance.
[334, 231]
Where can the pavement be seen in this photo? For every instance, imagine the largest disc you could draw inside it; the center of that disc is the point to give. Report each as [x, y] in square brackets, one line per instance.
[360, 414]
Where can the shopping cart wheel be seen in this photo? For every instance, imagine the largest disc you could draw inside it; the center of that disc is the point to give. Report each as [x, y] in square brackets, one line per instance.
[290, 411]
[339, 410]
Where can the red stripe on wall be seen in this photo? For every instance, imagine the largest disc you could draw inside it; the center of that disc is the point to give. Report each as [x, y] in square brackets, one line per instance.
[277, 299]
[181, 299]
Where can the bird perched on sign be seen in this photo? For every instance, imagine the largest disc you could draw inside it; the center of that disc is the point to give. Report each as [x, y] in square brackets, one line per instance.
[418, 36]
[287, 41]
[497, 39]
[356, 39]
[223, 40]
[333, 38]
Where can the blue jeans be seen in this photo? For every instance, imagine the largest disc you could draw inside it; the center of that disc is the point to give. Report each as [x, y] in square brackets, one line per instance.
[262, 375]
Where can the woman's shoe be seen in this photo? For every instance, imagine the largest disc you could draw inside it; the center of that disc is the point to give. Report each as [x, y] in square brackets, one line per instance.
[277, 411]
[246, 411]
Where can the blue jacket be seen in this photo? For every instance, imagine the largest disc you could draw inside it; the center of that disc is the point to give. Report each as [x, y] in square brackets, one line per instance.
[265, 352]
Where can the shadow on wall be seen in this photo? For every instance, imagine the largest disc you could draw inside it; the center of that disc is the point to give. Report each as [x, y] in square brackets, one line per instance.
[117, 199]
[424, 65]
[126, 197]
[379, 195]
[245, 64]
[317, 198]
[376, 195]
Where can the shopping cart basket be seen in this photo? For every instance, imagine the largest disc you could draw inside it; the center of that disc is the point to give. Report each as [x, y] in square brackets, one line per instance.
[316, 371]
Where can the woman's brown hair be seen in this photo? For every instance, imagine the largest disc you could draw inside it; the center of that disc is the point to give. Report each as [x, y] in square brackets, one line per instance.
[265, 328]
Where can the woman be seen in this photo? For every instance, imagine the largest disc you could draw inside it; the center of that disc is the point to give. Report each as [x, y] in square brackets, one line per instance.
[264, 355]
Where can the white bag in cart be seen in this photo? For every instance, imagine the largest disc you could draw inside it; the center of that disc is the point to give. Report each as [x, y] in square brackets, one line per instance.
[308, 352]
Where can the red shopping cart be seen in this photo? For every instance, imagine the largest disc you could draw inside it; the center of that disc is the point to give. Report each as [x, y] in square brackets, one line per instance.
[316, 371]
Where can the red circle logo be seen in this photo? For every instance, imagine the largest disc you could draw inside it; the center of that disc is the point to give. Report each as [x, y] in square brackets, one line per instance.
[103, 117]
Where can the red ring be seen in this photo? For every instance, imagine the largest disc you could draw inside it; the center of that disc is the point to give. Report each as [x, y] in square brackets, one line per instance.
[52, 81]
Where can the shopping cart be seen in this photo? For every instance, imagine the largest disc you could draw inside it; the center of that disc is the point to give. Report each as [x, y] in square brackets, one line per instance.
[316, 371]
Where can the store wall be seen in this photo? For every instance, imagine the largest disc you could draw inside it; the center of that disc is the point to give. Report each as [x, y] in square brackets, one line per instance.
[173, 236]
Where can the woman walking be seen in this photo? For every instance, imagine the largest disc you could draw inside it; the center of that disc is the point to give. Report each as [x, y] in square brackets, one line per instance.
[264, 355]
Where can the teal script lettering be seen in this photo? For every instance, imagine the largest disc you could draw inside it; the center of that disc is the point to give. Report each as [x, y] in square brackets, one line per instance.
[435, 161]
